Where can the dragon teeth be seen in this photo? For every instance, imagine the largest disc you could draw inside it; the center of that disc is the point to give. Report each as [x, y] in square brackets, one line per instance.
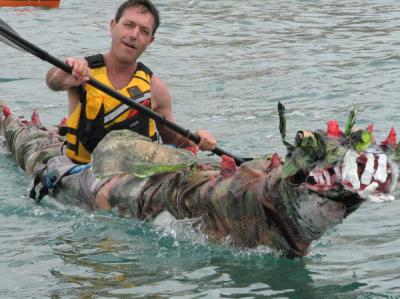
[395, 176]
[338, 172]
[327, 177]
[350, 169]
[318, 177]
[369, 190]
[321, 177]
[381, 171]
[369, 169]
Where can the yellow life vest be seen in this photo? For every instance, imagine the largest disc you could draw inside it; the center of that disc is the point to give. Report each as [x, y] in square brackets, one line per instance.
[98, 113]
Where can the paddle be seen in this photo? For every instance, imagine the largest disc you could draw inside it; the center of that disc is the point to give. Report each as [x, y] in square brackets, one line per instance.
[12, 38]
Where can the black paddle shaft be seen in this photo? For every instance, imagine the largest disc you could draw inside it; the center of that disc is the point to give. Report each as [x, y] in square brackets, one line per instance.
[24, 45]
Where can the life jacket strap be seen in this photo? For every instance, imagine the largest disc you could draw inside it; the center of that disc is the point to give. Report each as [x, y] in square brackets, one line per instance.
[95, 61]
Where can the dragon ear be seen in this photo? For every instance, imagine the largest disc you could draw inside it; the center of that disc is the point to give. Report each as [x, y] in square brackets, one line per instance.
[350, 121]
[282, 126]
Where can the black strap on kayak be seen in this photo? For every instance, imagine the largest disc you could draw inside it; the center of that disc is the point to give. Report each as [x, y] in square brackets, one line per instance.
[43, 191]
[32, 193]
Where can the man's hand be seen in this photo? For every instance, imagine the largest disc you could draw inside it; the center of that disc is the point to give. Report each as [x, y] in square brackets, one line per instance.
[80, 69]
[207, 141]
[57, 79]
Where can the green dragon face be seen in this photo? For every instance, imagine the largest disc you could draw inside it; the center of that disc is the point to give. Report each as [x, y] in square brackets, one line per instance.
[347, 167]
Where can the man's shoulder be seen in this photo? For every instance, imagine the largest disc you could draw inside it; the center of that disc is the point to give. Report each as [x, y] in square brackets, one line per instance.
[160, 94]
[142, 67]
[157, 82]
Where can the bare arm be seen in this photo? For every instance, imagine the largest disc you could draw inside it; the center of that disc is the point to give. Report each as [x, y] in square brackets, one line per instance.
[57, 79]
[162, 104]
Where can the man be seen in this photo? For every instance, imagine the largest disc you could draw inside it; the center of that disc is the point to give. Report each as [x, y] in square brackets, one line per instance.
[92, 113]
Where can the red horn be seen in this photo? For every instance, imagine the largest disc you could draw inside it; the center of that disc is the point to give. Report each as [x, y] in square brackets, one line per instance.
[333, 129]
[6, 111]
[391, 139]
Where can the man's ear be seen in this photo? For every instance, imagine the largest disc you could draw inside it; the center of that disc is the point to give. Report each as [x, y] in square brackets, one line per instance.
[112, 25]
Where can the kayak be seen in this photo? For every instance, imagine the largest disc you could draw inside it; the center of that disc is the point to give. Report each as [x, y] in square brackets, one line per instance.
[45, 3]
[284, 204]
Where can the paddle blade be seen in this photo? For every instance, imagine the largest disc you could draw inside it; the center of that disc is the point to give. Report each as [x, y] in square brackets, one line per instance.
[7, 34]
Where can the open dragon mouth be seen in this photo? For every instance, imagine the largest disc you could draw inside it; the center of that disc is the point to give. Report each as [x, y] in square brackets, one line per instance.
[342, 165]
[370, 175]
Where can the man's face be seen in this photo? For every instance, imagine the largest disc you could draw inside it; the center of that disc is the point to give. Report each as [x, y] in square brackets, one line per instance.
[132, 34]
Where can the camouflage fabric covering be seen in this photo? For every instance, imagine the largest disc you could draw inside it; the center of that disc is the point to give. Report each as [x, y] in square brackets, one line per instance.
[127, 152]
[284, 204]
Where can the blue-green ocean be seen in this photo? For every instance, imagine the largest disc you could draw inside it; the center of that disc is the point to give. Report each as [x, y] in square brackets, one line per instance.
[227, 64]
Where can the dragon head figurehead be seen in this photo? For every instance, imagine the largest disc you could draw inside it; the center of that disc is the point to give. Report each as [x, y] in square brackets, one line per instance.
[326, 175]
[344, 166]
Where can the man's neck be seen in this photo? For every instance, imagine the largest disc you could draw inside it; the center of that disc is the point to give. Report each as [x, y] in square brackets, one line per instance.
[119, 73]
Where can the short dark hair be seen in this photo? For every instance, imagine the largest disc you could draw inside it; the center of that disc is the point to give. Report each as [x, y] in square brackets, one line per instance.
[144, 3]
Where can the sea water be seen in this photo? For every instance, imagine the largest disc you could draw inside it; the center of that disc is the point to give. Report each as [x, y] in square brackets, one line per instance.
[227, 64]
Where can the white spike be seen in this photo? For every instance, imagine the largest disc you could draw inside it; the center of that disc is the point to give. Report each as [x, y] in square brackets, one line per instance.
[350, 169]
[366, 193]
[381, 171]
[395, 176]
[317, 175]
[369, 169]
[337, 172]
[327, 177]
[321, 179]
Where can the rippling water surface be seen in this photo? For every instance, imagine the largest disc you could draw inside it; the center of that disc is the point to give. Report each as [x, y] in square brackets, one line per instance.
[227, 63]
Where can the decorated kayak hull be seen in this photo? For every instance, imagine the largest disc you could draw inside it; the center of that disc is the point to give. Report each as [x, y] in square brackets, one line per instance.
[45, 3]
[284, 205]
